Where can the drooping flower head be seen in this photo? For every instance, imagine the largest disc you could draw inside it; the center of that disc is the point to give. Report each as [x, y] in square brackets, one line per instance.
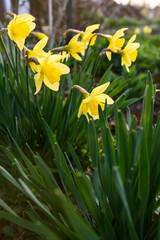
[115, 42]
[49, 71]
[129, 53]
[20, 27]
[89, 105]
[74, 47]
[88, 37]
[38, 53]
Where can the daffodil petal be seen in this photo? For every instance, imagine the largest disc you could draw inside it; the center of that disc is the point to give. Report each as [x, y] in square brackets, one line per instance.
[31, 26]
[125, 60]
[54, 58]
[38, 82]
[100, 89]
[76, 56]
[75, 38]
[133, 55]
[93, 39]
[119, 33]
[131, 47]
[64, 68]
[25, 17]
[83, 110]
[119, 43]
[41, 44]
[109, 55]
[20, 42]
[93, 107]
[102, 97]
[132, 39]
[54, 86]
[92, 28]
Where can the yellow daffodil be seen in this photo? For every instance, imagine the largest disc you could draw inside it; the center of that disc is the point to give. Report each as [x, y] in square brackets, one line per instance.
[115, 42]
[137, 30]
[90, 104]
[88, 37]
[49, 72]
[147, 30]
[38, 53]
[74, 47]
[20, 27]
[129, 53]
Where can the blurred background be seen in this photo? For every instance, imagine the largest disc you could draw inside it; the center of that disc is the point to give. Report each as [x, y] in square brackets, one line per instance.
[54, 16]
[141, 17]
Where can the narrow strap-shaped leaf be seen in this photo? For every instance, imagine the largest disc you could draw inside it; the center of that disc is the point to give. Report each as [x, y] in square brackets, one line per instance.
[7, 208]
[120, 189]
[93, 143]
[75, 158]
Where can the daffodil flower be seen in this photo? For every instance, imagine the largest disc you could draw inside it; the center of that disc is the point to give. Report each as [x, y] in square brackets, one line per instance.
[137, 30]
[147, 30]
[89, 105]
[38, 53]
[20, 27]
[115, 42]
[129, 53]
[88, 37]
[49, 71]
[74, 47]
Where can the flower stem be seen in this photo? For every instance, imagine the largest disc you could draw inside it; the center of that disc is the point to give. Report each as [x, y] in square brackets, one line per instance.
[58, 49]
[28, 99]
[96, 65]
[8, 58]
[17, 69]
[70, 30]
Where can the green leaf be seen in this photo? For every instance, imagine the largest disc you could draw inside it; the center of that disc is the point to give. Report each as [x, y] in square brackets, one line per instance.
[120, 189]
[93, 143]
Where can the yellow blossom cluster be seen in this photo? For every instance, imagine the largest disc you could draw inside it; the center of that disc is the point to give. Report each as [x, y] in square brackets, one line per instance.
[116, 42]
[49, 66]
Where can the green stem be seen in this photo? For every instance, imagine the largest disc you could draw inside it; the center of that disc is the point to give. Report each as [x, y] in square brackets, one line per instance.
[11, 52]
[84, 59]
[17, 69]
[58, 49]
[70, 30]
[28, 100]
[82, 69]
[97, 62]
[8, 58]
